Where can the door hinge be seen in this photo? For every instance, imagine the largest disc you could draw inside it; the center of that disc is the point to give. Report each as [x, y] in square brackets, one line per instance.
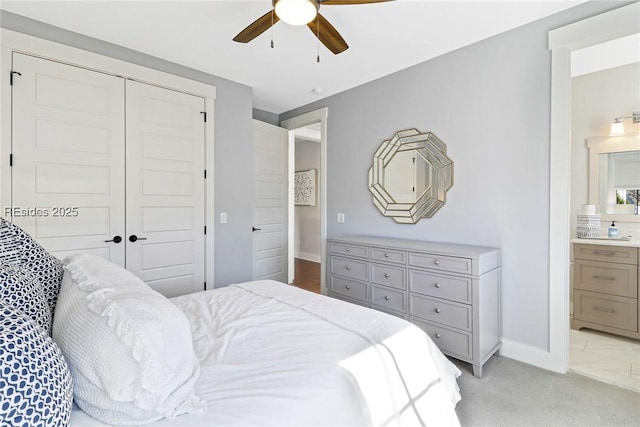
[11, 73]
[204, 114]
[10, 160]
[205, 229]
[205, 174]
[205, 286]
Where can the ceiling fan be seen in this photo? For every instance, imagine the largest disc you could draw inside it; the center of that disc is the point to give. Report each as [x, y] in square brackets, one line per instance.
[302, 12]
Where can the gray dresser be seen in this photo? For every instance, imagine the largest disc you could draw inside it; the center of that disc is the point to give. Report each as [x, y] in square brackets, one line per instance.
[605, 289]
[450, 291]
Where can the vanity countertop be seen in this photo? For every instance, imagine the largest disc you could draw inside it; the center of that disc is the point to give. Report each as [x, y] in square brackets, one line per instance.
[634, 243]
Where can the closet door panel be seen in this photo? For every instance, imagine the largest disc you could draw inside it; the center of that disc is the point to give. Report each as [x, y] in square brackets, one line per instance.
[68, 151]
[165, 188]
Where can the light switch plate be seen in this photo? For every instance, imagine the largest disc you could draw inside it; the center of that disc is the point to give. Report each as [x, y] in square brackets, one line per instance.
[340, 218]
[223, 217]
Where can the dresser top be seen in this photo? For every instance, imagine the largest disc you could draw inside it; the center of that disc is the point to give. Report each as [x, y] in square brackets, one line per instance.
[612, 242]
[441, 248]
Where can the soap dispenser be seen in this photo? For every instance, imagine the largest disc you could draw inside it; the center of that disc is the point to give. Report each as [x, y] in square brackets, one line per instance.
[613, 230]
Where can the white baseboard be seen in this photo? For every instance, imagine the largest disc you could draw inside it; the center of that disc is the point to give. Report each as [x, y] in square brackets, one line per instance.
[530, 355]
[309, 256]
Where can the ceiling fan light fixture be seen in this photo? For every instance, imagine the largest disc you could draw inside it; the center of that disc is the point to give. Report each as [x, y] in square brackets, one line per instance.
[297, 12]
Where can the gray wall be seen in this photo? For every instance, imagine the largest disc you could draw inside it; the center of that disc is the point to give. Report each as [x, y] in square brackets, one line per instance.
[490, 103]
[266, 116]
[233, 121]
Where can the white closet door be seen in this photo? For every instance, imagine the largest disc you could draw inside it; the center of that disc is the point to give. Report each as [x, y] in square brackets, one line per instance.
[68, 157]
[165, 188]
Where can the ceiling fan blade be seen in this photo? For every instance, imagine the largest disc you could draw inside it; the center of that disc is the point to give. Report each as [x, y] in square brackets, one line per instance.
[339, 2]
[328, 35]
[258, 27]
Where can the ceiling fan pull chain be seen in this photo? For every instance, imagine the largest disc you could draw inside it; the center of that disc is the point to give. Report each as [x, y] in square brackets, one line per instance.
[318, 40]
[272, 12]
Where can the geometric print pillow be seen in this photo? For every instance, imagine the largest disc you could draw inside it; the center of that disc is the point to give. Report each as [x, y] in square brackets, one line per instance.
[21, 288]
[35, 385]
[18, 248]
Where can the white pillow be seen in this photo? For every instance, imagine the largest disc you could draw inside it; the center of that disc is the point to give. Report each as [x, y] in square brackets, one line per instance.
[129, 348]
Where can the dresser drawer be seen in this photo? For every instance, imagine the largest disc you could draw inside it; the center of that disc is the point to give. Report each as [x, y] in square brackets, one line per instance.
[436, 285]
[351, 268]
[389, 255]
[404, 316]
[441, 311]
[606, 253]
[606, 278]
[351, 250]
[349, 288]
[389, 298]
[387, 275]
[608, 310]
[440, 262]
[449, 341]
[352, 301]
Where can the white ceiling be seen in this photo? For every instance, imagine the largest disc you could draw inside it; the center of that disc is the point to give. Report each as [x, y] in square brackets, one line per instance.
[383, 38]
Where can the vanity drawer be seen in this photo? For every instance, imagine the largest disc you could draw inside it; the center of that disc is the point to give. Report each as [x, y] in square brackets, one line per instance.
[441, 311]
[351, 268]
[436, 285]
[606, 253]
[351, 250]
[608, 310]
[349, 288]
[389, 255]
[389, 298]
[388, 276]
[449, 341]
[440, 262]
[607, 278]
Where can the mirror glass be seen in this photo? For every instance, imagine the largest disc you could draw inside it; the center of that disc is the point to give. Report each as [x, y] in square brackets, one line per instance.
[619, 182]
[410, 176]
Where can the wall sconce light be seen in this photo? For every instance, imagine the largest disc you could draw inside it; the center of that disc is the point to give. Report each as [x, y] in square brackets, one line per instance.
[617, 127]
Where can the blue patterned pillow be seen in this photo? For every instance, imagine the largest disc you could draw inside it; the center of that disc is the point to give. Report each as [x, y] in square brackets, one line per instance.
[21, 288]
[18, 248]
[35, 382]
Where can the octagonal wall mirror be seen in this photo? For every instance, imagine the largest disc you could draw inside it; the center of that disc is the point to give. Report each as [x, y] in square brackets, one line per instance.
[410, 176]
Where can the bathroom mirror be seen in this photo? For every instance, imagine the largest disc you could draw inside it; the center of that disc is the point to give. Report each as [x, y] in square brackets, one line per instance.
[614, 176]
[410, 176]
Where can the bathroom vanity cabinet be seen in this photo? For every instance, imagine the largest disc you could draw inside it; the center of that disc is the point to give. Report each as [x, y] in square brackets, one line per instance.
[605, 288]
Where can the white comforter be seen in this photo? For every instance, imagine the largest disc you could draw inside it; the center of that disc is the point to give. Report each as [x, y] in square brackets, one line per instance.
[272, 354]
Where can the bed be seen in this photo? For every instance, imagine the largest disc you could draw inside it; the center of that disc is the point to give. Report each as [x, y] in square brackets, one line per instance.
[255, 353]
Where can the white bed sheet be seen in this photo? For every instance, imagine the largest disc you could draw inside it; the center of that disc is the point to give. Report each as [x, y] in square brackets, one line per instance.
[272, 354]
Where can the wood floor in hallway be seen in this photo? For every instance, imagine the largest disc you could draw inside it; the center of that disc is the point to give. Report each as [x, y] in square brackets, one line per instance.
[307, 275]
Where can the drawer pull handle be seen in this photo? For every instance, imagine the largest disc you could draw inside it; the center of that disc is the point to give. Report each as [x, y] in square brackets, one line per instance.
[436, 262]
[348, 267]
[437, 285]
[604, 277]
[386, 298]
[604, 253]
[386, 255]
[438, 310]
[438, 335]
[386, 275]
[606, 310]
[347, 249]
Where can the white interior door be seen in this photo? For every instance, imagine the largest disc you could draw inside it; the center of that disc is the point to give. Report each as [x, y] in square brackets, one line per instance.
[165, 136]
[270, 148]
[68, 157]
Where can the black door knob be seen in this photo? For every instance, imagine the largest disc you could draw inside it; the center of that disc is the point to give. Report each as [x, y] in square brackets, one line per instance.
[134, 238]
[116, 239]
[255, 229]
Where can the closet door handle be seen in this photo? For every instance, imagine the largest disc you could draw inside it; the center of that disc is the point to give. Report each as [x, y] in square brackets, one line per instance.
[134, 238]
[255, 229]
[116, 239]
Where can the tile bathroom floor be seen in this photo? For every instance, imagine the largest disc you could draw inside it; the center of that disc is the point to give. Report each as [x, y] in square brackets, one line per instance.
[608, 358]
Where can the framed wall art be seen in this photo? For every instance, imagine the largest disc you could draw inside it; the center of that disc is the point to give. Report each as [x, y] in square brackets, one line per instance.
[305, 188]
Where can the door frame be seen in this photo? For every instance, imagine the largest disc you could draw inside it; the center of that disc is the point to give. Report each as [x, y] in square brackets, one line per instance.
[312, 117]
[12, 41]
[607, 26]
